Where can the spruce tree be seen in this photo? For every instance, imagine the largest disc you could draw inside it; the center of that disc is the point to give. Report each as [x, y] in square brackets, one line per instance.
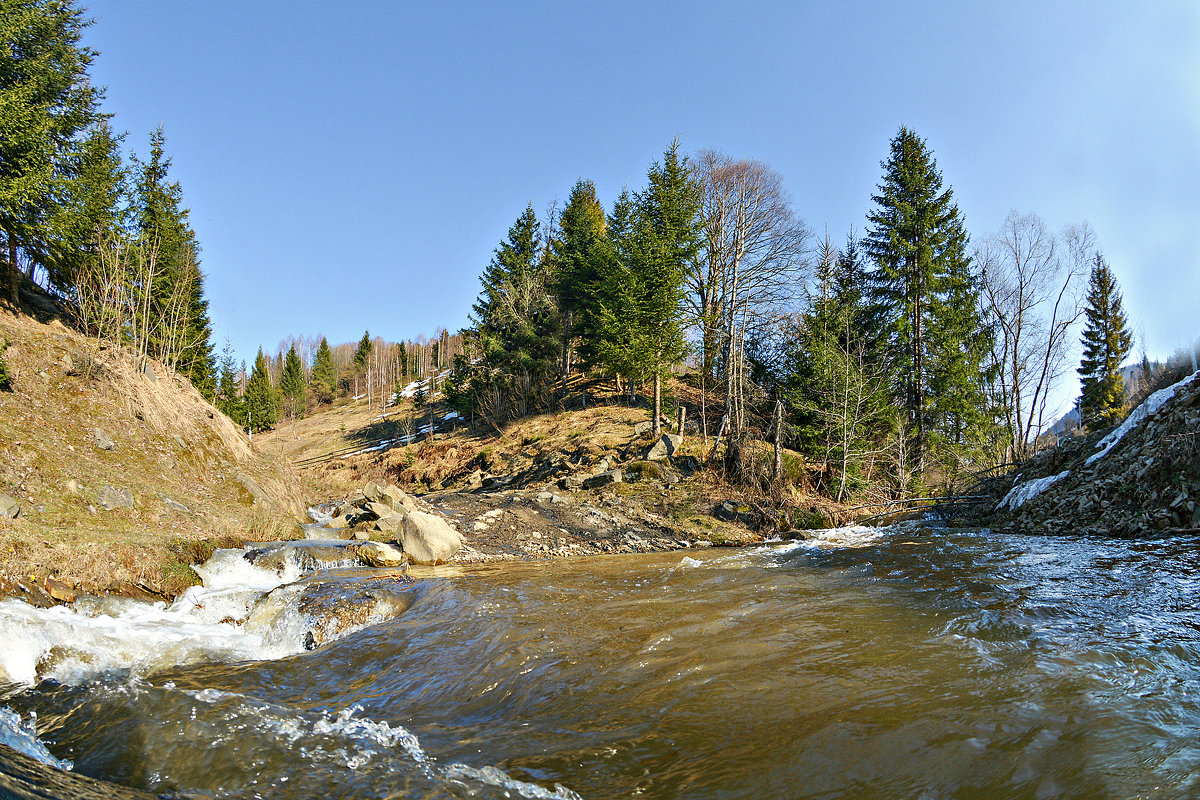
[581, 233]
[227, 400]
[291, 383]
[323, 378]
[1107, 341]
[924, 291]
[93, 214]
[363, 351]
[46, 101]
[262, 404]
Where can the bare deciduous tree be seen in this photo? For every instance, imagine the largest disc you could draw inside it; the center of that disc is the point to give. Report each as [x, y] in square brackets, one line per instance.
[1031, 289]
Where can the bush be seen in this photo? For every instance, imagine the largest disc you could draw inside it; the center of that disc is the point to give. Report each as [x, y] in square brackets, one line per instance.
[5, 378]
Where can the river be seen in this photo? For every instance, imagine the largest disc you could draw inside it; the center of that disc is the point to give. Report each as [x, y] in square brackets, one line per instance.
[894, 663]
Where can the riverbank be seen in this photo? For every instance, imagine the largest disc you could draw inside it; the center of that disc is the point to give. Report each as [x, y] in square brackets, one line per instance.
[116, 476]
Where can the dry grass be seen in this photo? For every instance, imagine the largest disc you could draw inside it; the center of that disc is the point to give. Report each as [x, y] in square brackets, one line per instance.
[169, 445]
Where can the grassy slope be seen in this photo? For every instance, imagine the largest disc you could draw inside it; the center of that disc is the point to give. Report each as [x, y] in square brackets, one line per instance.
[169, 444]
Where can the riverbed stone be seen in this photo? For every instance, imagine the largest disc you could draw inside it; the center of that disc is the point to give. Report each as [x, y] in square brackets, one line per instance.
[390, 523]
[9, 508]
[378, 554]
[429, 538]
[111, 498]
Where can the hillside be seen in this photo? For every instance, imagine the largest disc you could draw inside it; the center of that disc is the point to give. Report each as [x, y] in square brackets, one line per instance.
[119, 476]
[1142, 478]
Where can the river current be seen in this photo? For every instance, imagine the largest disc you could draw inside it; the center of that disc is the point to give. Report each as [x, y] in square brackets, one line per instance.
[910, 662]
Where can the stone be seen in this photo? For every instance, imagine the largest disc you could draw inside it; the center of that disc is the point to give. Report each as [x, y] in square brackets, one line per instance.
[378, 510]
[59, 590]
[643, 428]
[362, 536]
[148, 371]
[180, 507]
[339, 522]
[604, 479]
[397, 500]
[664, 447]
[603, 465]
[572, 481]
[392, 523]
[373, 492]
[428, 538]
[110, 498]
[179, 441]
[257, 495]
[544, 497]
[378, 554]
[102, 440]
[9, 508]
[497, 481]
[475, 479]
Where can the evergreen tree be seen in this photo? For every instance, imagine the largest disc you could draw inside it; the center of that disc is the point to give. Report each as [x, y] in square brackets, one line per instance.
[654, 248]
[323, 378]
[94, 212]
[363, 351]
[1107, 342]
[261, 402]
[46, 101]
[227, 401]
[292, 383]
[581, 233]
[923, 291]
[516, 326]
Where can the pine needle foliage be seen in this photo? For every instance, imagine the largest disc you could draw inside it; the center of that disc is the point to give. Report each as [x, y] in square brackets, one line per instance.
[1107, 341]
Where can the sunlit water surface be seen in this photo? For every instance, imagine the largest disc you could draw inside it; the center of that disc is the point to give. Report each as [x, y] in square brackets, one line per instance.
[918, 663]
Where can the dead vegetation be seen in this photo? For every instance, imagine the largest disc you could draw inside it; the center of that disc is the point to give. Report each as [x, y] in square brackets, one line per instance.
[178, 458]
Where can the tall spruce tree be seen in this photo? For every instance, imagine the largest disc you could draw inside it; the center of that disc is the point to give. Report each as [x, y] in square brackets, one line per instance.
[924, 292]
[1107, 341]
[581, 232]
[46, 101]
[292, 384]
[227, 401]
[261, 401]
[94, 212]
[323, 378]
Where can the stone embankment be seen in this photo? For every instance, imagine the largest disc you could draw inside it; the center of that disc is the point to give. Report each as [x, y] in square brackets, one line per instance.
[1140, 479]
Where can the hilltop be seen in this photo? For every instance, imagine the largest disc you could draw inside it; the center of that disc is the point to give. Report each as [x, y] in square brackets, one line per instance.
[115, 474]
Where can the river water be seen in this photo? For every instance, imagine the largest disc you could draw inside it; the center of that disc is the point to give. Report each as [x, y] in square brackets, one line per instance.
[893, 663]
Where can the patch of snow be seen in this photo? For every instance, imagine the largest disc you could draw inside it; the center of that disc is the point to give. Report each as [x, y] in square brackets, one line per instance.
[1152, 404]
[1023, 492]
[451, 415]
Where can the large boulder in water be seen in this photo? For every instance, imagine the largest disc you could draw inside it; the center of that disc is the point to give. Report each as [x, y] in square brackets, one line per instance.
[389, 496]
[377, 554]
[428, 538]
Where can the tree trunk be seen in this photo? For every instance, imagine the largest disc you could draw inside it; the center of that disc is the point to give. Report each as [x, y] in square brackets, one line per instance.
[657, 405]
[779, 441]
[14, 274]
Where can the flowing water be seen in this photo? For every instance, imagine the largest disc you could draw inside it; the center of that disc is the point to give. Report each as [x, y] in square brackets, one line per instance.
[896, 663]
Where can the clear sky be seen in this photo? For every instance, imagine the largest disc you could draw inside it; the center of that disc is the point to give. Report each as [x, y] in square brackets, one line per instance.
[353, 165]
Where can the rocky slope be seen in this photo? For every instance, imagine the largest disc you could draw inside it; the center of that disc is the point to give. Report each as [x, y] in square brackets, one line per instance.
[1140, 479]
[115, 474]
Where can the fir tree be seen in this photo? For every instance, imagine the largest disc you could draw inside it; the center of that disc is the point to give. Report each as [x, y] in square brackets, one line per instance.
[292, 383]
[94, 213]
[227, 401]
[363, 351]
[323, 379]
[1107, 342]
[46, 101]
[581, 233]
[261, 402]
[920, 280]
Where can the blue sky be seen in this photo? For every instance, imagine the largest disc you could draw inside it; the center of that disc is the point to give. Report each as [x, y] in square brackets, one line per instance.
[353, 165]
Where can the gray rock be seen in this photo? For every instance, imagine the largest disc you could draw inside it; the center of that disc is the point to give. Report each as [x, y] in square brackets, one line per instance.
[102, 440]
[497, 481]
[603, 465]
[378, 510]
[148, 371]
[180, 507]
[428, 538]
[475, 479]
[572, 481]
[604, 479]
[362, 536]
[397, 500]
[258, 496]
[179, 441]
[392, 523]
[9, 508]
[111, 498]
[643, 427]
[664, 447]
[378, 554]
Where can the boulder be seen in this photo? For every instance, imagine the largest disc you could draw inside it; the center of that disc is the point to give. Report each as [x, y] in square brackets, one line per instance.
[257, 495]
[390, 523]
[664, 447]
[397, 500]
[377, 510]
[179, 507]
[9, 508]
[475, 479]
[604, 479]
[111, 498]
[428, 538]
[378, 554]
[373, 492]
[603, 465]
[102, 440]
[59, 590]
[643, 428]
[572, 481]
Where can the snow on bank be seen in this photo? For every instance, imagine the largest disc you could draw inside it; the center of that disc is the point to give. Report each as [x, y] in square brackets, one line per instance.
[1023, 492]
[1152, 404]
